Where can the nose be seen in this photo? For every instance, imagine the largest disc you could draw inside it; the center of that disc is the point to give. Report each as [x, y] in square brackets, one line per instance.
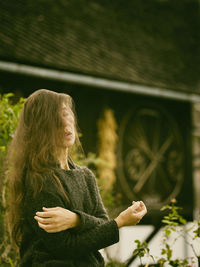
[68, 123]
[68, 127]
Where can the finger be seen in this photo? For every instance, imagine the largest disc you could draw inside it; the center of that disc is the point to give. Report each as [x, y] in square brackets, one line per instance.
[136, 205]
[51, 231]
[142, 213]
[48, 228]
[44, 213]
[140, 207]
[142, 204]
[134, 202]
[138, 220]
[43, 220]
[143, 207]
[50, 209]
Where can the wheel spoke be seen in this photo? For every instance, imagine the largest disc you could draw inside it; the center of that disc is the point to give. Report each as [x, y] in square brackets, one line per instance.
[153, 164]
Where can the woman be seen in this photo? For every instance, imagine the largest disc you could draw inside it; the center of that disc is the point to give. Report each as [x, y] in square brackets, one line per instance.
[55, 213]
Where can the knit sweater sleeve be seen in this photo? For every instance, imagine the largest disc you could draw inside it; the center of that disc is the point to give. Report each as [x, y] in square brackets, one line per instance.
[74, 243]
[99, 214]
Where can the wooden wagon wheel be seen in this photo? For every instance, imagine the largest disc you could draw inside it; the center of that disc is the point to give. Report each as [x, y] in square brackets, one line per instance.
[150, 156]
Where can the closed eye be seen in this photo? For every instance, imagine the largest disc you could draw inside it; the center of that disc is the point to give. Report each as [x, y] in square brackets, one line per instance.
[65, 114]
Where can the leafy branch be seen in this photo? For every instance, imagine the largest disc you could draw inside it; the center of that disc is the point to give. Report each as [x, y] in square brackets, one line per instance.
[174, 222]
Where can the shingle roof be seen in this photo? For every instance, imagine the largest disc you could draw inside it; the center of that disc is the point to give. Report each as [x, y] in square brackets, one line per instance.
[153, 42]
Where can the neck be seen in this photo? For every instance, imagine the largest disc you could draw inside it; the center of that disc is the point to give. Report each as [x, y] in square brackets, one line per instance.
[63, 160]
[65, 166]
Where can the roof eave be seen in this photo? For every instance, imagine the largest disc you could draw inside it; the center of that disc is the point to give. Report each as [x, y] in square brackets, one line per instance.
[92, 81]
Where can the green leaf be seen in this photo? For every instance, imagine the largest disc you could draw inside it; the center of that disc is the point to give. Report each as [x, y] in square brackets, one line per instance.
[167, 246]
[138, 242]
[167, 232]
[11, 263]
[165, 207]
[3, 148]
[197, 232]
[166, 221]
[163, 251]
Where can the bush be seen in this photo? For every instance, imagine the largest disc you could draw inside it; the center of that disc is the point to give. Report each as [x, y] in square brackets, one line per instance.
[174, 222]
[9, 115]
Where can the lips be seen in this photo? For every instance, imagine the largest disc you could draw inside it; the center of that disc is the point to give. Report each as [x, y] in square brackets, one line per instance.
[68, 134]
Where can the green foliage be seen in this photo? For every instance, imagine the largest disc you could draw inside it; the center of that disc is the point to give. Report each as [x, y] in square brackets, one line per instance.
[197, 230]
[174, 222]
[11, 263]
[173, 218]
[9, 115]
[141, 250]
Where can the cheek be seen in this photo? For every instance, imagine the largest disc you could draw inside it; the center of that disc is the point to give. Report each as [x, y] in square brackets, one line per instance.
[72, 140]
[73, 130]
[74, 135]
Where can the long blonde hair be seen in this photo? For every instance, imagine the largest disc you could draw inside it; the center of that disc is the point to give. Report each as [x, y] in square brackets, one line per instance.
[32, 152]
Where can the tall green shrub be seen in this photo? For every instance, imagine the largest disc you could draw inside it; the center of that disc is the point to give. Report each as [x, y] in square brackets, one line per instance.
[9, 115]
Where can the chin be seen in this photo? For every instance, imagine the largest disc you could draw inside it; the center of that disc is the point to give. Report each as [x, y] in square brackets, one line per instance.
[69, 143]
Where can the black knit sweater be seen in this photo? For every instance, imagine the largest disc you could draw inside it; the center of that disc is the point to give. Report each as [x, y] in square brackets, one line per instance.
[76, 247]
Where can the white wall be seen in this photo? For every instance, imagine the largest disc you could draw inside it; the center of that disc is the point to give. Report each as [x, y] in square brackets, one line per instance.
[123, 250]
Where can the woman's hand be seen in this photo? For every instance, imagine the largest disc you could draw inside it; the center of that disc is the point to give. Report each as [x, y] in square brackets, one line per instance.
[132, 215]
[56, 219]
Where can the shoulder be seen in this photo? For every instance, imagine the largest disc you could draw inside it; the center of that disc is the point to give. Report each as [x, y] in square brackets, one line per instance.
[84, 169]
[45, 181]
[89, 177]
[87, 172]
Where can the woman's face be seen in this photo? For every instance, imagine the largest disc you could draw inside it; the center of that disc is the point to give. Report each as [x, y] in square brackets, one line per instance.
[69, 127]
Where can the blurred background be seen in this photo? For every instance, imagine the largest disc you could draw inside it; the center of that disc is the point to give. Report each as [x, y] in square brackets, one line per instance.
[132, 68]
